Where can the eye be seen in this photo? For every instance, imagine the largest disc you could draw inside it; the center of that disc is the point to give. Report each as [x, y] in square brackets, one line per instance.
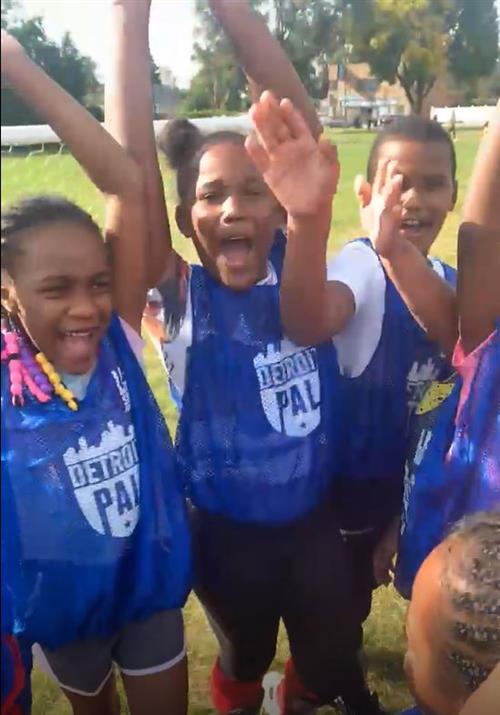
[102, 284]
[54, 291]
[254, 191]
[435, 182]
[210, 196]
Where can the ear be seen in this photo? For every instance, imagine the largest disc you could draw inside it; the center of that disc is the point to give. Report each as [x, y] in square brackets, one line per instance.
[363, 191]
[184, 221]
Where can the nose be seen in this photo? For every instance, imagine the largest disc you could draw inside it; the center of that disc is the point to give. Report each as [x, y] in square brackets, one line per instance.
[83, 306]
[232, 209]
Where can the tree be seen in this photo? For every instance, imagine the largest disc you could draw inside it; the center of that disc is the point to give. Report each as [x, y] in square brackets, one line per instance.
[404, 40]
[416, 41]
[306, 30]
[474, 47]
[63, 62]
[155, 71]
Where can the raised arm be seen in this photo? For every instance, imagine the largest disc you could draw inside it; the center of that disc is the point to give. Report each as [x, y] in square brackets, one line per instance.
[303, 175]
[479, 244]
[263, 59]
[429, 298]
[129, 117]
[101, 157]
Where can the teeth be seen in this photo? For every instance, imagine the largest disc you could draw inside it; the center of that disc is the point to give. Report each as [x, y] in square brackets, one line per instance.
[78, 333]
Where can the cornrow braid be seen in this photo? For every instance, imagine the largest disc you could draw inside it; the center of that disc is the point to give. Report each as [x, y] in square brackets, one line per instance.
[472, 583]
[34, 212]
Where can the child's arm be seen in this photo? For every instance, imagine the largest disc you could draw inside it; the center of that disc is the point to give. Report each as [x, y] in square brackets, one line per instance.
[129, 117]
[262, 58]
[479, 245]
[303, 175]
[105, 162]
[429, 298]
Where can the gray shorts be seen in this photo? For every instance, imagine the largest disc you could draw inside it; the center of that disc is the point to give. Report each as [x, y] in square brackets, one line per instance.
[139, 648]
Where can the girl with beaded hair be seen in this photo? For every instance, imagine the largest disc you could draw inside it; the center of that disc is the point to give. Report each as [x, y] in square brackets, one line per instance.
[96, 534]
[453, 622]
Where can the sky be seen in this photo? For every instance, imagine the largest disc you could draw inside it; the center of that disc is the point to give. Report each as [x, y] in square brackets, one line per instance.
[171, 30]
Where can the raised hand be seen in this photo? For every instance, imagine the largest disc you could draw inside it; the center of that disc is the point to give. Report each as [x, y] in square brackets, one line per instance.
[385, 209]
[301, 173]
[10, 46]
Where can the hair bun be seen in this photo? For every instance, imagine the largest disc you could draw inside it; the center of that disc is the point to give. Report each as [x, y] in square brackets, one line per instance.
[179, 141]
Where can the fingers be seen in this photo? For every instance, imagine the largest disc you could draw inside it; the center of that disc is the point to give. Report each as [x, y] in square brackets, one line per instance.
[269, 125]
[294, 120]
[276, 123]
[380, 176]
[329, 152]
[257, 153]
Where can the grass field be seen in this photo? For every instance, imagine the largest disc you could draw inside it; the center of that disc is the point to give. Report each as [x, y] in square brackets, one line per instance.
[58, 173]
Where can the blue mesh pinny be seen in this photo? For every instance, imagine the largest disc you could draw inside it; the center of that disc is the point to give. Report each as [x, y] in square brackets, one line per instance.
[455, 467]
[259, 429]
[379, 405]
[98, 518]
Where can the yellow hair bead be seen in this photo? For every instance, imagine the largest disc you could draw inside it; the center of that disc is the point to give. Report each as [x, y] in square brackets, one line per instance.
[42, 360]
[52, 376]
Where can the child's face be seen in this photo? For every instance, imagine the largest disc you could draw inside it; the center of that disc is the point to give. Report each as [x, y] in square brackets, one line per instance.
[426, 661]
[429, 191]
[61, 290]
[234, 216]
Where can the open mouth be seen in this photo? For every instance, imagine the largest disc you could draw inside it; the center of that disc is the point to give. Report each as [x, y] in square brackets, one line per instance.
[79, 346]
[236, 251]
[414, 225]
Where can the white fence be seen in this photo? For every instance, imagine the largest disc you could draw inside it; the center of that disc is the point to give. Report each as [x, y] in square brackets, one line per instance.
[43, 134]
[469, 117]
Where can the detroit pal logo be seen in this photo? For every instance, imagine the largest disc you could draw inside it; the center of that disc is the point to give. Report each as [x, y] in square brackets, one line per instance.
[289, 388]
[105, 480]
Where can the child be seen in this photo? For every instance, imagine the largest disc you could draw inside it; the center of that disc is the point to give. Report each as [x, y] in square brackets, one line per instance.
[386, 358]
[257, 439]
[104, 556]
[454, 469]
[452, 625]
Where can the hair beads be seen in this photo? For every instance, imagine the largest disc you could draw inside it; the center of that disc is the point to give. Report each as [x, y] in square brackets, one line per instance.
[36, 374]
[55, 381]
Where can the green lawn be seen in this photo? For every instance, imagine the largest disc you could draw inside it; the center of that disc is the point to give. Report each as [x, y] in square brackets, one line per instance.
[58, 173]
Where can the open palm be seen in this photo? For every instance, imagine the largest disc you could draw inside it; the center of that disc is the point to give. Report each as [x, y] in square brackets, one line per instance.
[301, 172]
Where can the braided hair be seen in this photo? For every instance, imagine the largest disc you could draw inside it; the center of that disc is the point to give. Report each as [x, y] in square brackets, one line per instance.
[184, 145]
[471, 581]
[35, 212]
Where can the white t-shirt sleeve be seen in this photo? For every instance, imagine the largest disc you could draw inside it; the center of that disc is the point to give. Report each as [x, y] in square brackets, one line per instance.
[175, 351]
[358, 267]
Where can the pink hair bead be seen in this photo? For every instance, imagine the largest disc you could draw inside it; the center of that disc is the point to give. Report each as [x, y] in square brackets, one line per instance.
[38, 393]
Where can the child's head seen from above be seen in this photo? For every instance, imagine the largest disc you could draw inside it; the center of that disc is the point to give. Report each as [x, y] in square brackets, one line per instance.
[56, 280]
[225, 206]
[425, 155]
[453, 623]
